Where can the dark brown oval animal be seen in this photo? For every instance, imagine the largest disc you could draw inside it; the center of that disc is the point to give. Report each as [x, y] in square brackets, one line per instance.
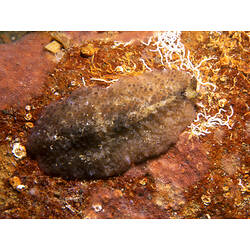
[99, 132]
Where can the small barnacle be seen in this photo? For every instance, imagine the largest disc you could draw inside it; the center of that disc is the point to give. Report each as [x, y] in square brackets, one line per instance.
[27, 107]
[28, 117]
[143, 182]
[20, 187]
[19, 151]
[222, 102]
[206, 199]
[15, 182]
[97, 207]
[29, 125]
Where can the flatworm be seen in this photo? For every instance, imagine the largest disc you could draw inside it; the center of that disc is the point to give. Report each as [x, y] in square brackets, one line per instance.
[99, 132]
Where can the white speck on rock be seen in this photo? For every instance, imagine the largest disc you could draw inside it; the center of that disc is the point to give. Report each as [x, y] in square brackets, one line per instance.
[97, 207]
[20, 187]
[28, 107]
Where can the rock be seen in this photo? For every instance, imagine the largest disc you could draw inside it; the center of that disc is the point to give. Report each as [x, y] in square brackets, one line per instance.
[24, 66]
[182, 166]
[76, 38]
[53, 47]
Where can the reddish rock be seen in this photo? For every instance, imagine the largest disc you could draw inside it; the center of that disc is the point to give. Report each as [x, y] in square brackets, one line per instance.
[24, 66]
[174, 185]
[76, 38]
[182, 166]
[107, 202]
[156, 188]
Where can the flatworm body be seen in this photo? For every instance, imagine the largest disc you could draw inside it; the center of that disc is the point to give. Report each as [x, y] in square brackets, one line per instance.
[98, 132]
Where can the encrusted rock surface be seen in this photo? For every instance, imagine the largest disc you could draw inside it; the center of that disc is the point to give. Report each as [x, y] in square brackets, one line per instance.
[181, 167]
[200, 177]
[76, 38]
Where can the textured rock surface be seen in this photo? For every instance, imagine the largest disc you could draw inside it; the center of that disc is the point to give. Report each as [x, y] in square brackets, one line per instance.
[219, 189]
[181, 167]
[99, 132]
[24, 65]
[76, 38]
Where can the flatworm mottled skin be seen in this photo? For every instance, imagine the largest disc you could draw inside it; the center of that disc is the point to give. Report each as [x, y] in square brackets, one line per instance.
[98, 132]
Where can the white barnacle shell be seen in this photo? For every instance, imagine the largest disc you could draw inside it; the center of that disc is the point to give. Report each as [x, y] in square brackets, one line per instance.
[19, 150]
